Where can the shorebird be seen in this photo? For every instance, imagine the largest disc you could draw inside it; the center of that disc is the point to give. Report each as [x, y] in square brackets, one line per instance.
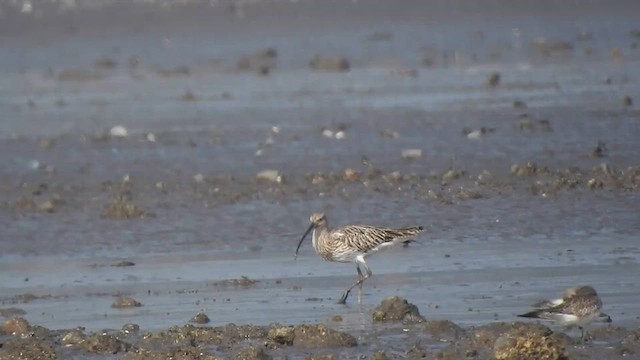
[353, 243]
[578, 306]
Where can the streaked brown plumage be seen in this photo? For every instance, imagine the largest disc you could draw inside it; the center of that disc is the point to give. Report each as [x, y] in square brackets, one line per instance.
[353, 243]
[578, 306]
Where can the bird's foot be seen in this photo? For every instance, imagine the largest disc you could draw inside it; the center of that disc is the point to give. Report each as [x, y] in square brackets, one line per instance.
[343, 298]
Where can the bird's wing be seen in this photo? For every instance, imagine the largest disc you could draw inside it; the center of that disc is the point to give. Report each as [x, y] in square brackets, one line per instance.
[365, 238]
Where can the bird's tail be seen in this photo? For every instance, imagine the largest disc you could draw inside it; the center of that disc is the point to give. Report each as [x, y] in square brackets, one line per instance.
[532, 314]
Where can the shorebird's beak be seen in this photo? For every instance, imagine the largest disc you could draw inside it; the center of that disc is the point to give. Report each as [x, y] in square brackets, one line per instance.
[303, 236]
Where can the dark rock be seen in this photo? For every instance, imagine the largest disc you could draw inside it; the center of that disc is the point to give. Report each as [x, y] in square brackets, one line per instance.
[125, 302]
[444, 330]
[395, 308]
[200, 318]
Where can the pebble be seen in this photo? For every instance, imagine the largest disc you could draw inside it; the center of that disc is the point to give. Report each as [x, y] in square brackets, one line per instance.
[200, 318]
[198, 178]
[411, 153]
[118, 131]
[270, 175]
[125, 302]
[16, 326]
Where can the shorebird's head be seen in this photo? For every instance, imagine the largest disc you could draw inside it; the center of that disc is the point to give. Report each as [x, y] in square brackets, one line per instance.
[317, 219]
[580, 291]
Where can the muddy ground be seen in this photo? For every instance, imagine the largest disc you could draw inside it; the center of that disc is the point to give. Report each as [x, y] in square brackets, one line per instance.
[160, 161]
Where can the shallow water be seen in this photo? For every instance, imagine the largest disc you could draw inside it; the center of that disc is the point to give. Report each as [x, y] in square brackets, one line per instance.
[479, 261]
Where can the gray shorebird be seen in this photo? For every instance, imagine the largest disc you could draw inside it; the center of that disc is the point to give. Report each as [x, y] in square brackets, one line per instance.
[353, 243]
[578, 306]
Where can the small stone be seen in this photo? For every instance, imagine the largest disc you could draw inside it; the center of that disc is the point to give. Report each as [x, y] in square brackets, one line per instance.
[283, 335]
[123, 302]
[340, 135]
[151, 137]
[395, 308]
[124, 263]
[493, 80]
[188, 95]
[351, 175]
[627, 101]
[200, 318]
[130, 328]
[411, 154]
[328, 133]
[595, 184]
[73, 337]
[336, 318]
[198, 178]
[16, 326]
[47, 206]
[270, 176]
[46, 143]
[118, 131]
[331, 64]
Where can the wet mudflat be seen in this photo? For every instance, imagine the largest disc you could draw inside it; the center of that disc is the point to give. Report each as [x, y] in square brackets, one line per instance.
[155, 179]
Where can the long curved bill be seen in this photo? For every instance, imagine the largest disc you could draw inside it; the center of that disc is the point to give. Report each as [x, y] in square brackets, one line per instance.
[301, 240]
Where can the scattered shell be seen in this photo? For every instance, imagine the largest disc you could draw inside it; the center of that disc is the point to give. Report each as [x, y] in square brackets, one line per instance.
[130, 328]
[270, 176]
[198, 178]
[151, 137]
[410, 154]
[351, 175]
[47, 206]
[118, 131]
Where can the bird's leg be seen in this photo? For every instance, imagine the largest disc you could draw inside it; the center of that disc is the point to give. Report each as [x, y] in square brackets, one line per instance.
[361, 279]
[581, 334]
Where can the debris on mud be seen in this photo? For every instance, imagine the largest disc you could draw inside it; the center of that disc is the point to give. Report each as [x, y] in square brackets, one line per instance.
[200, 318]
[272, 176]
[444, 330]
[16, 325]
[320, 336]
[105, 63]
[411, 154]
[119, 131]
[395, 308]
[283, 335]
[599, 150]
[330, 64]
[123, 263]
[12, 311]
[627, 101]
[251, 352]
[125, 302]
[262, 62]
[529, 169]
[493, 80]
[529, 343]
[244, 281]
[122, 209]
[104, 344]
[28, 348]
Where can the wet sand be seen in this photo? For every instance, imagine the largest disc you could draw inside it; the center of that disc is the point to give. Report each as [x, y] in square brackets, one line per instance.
[132, 137]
